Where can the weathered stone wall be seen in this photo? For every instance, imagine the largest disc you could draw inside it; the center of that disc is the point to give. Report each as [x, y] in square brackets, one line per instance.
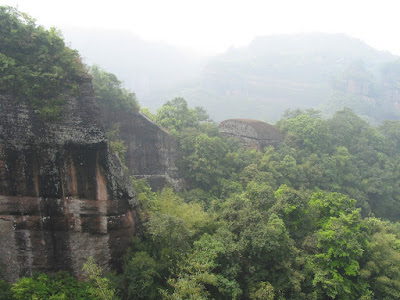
[251, 133]
[63, 196]
[151, 152]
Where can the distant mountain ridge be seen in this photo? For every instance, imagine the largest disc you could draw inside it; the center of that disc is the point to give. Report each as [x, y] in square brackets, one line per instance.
[260, 81]
[143, 66]
[296, 71]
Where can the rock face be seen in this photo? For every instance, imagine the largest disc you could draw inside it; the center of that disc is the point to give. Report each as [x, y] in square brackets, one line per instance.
[151, 152]
[63, 196]
[251, 133]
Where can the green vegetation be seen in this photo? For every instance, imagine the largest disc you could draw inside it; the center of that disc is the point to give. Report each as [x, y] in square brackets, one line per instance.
[112, 98]
[98, 287]
[175, 115]
[109, 91]
[61, 286]
[295, 222]
[41, 286]
[116, 144]
[36, 65]
[315, 218]
[310, 219]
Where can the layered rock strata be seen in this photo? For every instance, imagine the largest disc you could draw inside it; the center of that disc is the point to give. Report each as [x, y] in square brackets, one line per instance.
[63, 195]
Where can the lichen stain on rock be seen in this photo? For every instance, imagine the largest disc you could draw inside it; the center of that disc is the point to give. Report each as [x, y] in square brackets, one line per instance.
[101, 181]
[70, 180]
[35, 171]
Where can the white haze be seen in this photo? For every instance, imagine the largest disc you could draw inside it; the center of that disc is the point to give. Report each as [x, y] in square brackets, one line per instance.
[212, 26]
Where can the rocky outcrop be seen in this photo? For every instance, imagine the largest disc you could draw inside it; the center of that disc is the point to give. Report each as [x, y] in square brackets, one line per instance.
[251, 133]
[63, 195]
[151, 152]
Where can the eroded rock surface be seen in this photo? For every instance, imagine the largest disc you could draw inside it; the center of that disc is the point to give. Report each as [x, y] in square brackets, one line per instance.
[63, 195]
[251, 133]
[151, 152]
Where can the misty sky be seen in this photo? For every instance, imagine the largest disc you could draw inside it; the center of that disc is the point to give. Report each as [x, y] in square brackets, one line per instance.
[211, 26]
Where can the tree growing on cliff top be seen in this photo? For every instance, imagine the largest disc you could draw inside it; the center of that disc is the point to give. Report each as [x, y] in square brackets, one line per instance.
[109, 91]
[175, 115]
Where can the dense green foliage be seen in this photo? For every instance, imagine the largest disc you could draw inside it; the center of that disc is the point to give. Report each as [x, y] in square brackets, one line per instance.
[342, 154]
[35, 64]
[109, 91]
[61, 286]
[41, 287]
[285, 223]
[98, 287]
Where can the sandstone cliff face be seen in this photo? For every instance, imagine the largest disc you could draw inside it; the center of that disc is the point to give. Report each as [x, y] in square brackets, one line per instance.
[151, 152]
[63, 196]
[251, 133]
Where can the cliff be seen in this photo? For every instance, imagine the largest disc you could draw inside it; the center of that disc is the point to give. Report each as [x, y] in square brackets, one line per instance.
[251, 133]
[151, 153]
[63, 195]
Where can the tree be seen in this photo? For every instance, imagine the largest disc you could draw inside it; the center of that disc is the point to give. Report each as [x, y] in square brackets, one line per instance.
[175, 115]
[100, 287]
[60, 286]
[327, 205]
[109, 91]
[140, 274]
[292, 207]
[258, 248]
[391, 129]
[205, 163]
[306, 130]
[263, 291]
[5, 290]
[341, 242]
[382, 260]
[195, 277]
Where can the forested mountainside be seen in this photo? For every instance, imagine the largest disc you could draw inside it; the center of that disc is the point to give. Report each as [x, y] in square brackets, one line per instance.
[314, 215]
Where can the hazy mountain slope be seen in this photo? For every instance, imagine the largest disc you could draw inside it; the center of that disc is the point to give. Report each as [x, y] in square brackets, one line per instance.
[277, 72]
[325, 71]
[144, 66]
